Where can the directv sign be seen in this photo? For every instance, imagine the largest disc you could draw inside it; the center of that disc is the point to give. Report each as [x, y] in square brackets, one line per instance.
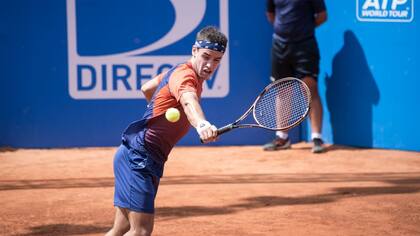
[385, 10]
[114, 47]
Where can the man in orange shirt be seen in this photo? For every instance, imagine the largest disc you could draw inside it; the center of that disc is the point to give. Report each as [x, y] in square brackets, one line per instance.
[146, 143]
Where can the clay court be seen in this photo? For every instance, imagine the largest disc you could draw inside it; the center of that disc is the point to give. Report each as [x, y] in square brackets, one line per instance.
[219, 191]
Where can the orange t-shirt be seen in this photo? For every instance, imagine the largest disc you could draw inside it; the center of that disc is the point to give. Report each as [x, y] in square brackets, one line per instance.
[154, 131]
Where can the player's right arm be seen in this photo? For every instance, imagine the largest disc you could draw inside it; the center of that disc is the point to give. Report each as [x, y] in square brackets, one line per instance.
[149, 88]
[195, 115]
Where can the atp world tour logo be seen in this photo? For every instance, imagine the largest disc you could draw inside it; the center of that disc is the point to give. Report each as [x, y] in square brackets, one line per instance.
[114, 47]
[385, 10]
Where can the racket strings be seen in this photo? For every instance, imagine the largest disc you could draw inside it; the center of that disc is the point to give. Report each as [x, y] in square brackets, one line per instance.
[283, 105]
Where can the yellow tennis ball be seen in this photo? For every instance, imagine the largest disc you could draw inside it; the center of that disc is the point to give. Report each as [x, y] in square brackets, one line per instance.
[172, 114]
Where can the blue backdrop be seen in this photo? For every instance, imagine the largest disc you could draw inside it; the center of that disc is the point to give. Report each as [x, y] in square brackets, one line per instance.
[70, 69]
[370, 74]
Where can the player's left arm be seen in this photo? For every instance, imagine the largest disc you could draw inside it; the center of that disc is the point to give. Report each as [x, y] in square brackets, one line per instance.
[192, 108]
[194, 112]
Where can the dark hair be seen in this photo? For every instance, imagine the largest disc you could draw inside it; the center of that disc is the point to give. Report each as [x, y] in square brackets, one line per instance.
[212, 34]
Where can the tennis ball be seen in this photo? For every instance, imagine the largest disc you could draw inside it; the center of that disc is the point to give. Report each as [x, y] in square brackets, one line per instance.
[172, 114]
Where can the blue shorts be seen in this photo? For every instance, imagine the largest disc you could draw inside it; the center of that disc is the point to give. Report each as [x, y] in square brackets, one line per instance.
[135, 184]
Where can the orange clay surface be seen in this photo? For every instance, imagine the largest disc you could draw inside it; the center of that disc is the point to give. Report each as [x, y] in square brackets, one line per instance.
[239, 190]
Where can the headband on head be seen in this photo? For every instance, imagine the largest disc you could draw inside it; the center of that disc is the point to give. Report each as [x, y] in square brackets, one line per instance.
[209, 45]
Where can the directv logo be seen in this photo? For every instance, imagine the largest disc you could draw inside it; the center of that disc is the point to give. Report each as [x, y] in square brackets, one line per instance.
[109, 69]
[385, 10]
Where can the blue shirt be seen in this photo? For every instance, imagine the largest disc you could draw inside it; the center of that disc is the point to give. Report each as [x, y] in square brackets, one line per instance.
[294, 19]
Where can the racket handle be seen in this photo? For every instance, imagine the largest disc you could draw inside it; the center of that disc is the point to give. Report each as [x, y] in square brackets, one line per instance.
[222, 130]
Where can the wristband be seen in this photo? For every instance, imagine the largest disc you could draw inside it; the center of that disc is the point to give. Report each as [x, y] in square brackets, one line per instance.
[202, 125]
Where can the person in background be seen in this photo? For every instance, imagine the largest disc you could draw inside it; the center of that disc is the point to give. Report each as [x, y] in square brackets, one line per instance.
[295, 53]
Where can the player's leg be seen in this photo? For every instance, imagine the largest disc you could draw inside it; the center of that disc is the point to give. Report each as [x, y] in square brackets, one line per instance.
[135, 189]
[280, 68]
[306, 56]
[121, 173]
[121, 223]
[141, 213]
[141, 224]
[142, 200]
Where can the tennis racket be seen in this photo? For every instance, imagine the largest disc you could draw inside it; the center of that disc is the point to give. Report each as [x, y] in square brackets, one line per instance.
[282, 105]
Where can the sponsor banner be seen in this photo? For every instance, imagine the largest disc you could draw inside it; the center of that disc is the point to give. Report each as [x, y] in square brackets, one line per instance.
[117, 70]
[385, 10]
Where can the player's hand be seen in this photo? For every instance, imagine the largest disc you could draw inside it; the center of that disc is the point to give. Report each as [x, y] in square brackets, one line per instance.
[206, 131]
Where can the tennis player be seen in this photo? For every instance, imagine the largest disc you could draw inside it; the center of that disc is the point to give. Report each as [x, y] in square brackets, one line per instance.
[146, 143]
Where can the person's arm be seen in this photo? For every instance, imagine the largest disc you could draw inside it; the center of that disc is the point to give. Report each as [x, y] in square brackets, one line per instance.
[320, 18]
[149, 88]
[270, 13]
[195, 115]
[270, 17]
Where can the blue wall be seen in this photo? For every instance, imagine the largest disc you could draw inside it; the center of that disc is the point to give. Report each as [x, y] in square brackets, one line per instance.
[367, 82]
[369, 77]
[37, 107]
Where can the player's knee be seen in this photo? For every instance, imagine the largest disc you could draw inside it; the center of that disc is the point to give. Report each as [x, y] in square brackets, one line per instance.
[123, 229]
[141, 231]
[118, 231]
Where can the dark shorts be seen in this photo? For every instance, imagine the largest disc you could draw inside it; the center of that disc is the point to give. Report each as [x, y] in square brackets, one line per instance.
[295, 59]
[135, 185]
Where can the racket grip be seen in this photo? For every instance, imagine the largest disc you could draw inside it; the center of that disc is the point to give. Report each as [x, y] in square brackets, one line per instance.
[222, 130]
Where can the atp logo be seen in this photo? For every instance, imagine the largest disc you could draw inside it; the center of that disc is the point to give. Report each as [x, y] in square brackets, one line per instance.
[385, 10]
[114, 47]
